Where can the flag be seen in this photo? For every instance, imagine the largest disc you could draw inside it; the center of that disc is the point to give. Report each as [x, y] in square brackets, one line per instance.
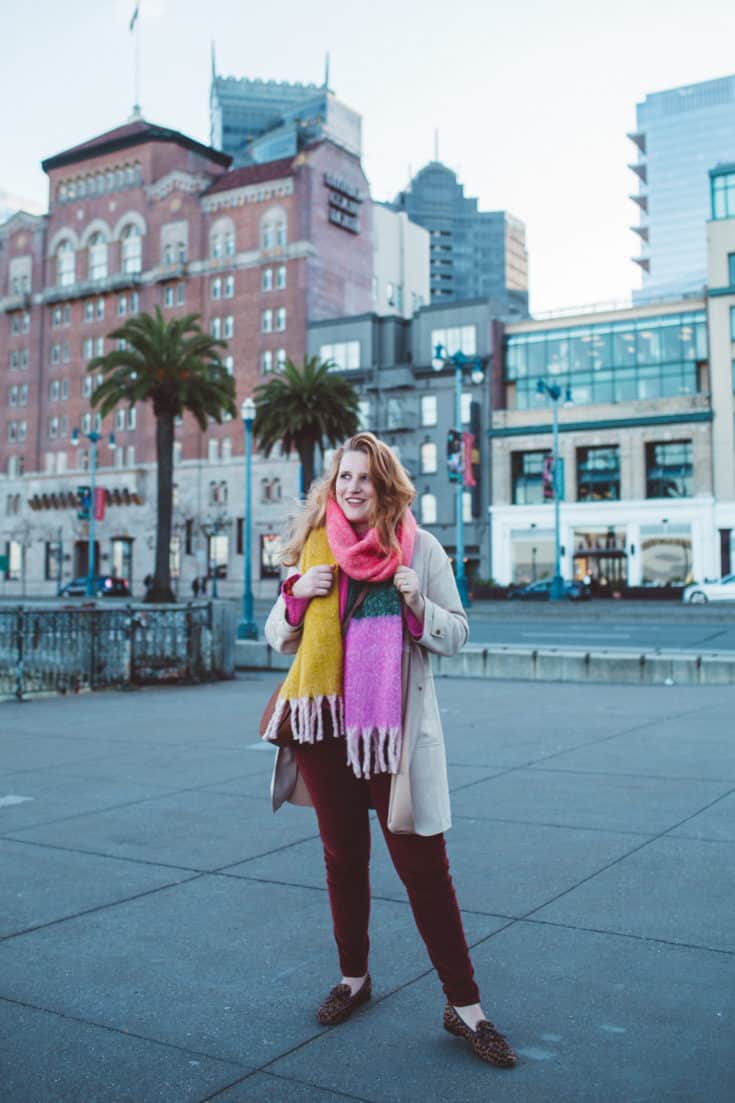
[100, 501]
[135, 16]
[468, 451]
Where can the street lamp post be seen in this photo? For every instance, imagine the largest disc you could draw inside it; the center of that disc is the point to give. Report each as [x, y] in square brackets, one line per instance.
[94, 438]
[247, 628]
[459, 362]
[554, 391]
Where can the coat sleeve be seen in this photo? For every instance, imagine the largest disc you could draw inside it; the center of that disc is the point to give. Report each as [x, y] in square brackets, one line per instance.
[446, 628]
[281, 635]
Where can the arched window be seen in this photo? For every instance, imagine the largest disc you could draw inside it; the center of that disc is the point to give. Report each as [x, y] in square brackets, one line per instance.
[65, 264]
[81, 188]
[273, 230]
[97, 257]
[229, 244]
[215, 246]
[132, 249]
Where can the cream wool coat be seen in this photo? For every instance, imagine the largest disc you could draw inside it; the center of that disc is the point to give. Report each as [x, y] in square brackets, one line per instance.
[419, 795]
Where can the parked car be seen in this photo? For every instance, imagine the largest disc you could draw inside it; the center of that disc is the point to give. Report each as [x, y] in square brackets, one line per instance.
[721, 589]
[104, 586]
[541, 591]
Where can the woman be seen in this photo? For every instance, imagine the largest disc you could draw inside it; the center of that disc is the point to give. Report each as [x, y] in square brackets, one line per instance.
[374, 595]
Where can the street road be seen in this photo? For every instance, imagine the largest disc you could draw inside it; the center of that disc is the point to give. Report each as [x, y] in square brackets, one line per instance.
[604, 624]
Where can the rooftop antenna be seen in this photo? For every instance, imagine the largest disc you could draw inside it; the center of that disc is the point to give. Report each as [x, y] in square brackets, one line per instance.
[214, 63]
[134, 28]
[326, 71]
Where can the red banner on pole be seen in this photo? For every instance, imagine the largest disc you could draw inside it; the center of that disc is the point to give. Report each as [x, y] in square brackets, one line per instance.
[468, 450]
[100, 502]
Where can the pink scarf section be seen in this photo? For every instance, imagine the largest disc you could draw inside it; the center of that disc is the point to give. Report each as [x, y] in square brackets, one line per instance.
[361, 557]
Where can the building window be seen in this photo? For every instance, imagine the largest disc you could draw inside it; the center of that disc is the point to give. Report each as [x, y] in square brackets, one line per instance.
[228, 330]
[64, 389]
[65, 264]
[723, 195]
[455, 339]
[132, 417]
[428, 409]
[134, 302]
[229, 287]
[215, 291]
[218, 554]
[266, 321]
[527, 477]
[213, 451]
[53, 390]
[13, 396]
[266, 279]
[363, 413]
[55, 354]
[229, 245]
[22, 431]
[280, 359]
[281, 277]
[122, 306]
[180, 294]
[100, 308]
[215, 328]
[53, 428]
[428, 509]
[168, 295]
[281, 318]
[428, 458]
[343, 355]
[731, 269]
[130, 455]
[132, 250]
[598, 474]
[669, 470]
[97, 257]
[266, 361]
[119, 419]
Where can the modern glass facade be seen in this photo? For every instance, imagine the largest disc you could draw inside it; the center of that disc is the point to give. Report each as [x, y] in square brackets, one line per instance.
[473, 254]
[681, 134]
[618, 361]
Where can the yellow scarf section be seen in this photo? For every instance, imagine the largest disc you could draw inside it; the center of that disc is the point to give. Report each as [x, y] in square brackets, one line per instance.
[315, 677]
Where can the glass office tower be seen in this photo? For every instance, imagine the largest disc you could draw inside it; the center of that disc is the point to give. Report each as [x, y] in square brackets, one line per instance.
[680, 135]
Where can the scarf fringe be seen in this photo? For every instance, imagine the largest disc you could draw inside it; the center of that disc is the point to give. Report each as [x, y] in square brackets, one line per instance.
[307, 717]
[381, 746]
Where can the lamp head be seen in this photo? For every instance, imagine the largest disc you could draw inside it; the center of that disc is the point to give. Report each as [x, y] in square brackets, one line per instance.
[439, 358]
[247, 410]
[540, 386]
[75, 437]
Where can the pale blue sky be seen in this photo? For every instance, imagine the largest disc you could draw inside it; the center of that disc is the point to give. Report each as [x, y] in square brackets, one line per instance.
[532, 99]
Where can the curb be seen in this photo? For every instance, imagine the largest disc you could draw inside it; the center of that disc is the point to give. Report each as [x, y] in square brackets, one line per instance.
[551, 664]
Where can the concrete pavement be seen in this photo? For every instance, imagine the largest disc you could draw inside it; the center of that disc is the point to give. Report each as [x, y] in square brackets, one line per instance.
[165, 939]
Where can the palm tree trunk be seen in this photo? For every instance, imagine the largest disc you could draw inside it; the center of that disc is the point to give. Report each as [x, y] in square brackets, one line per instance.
[161, 590]
[306, 455]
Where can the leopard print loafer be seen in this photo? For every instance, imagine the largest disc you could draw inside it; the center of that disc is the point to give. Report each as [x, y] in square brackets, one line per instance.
[487, 1042]
[340, 1003]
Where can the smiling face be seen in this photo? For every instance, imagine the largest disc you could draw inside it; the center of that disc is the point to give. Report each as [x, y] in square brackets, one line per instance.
[355, 491]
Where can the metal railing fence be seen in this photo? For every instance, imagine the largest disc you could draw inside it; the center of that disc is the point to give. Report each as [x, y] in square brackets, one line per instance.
[53, 650]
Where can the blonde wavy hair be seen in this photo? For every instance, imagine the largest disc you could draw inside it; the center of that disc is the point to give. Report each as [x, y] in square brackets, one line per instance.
[394, 493]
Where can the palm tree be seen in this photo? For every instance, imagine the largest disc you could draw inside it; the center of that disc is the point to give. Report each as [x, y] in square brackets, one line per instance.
[176, 367]
[304, 407]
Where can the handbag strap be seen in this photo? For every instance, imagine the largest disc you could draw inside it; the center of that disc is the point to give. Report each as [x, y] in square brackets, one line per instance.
[353, 608]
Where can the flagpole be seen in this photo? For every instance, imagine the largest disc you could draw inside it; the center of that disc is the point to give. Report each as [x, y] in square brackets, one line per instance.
[135, 27]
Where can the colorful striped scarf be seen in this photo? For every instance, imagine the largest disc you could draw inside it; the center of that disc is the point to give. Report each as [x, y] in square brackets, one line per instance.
[357, 679]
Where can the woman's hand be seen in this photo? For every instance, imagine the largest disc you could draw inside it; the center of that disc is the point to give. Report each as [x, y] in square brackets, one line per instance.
[317, 582]
[406, 581]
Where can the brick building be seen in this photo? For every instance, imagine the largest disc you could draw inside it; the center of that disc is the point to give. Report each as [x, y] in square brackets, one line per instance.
[139, 217]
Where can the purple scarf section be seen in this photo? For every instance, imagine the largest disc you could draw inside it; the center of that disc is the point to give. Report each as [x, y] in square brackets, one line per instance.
[372, 694]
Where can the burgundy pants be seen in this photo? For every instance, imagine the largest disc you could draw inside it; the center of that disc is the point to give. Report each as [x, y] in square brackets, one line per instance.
[342, 802]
